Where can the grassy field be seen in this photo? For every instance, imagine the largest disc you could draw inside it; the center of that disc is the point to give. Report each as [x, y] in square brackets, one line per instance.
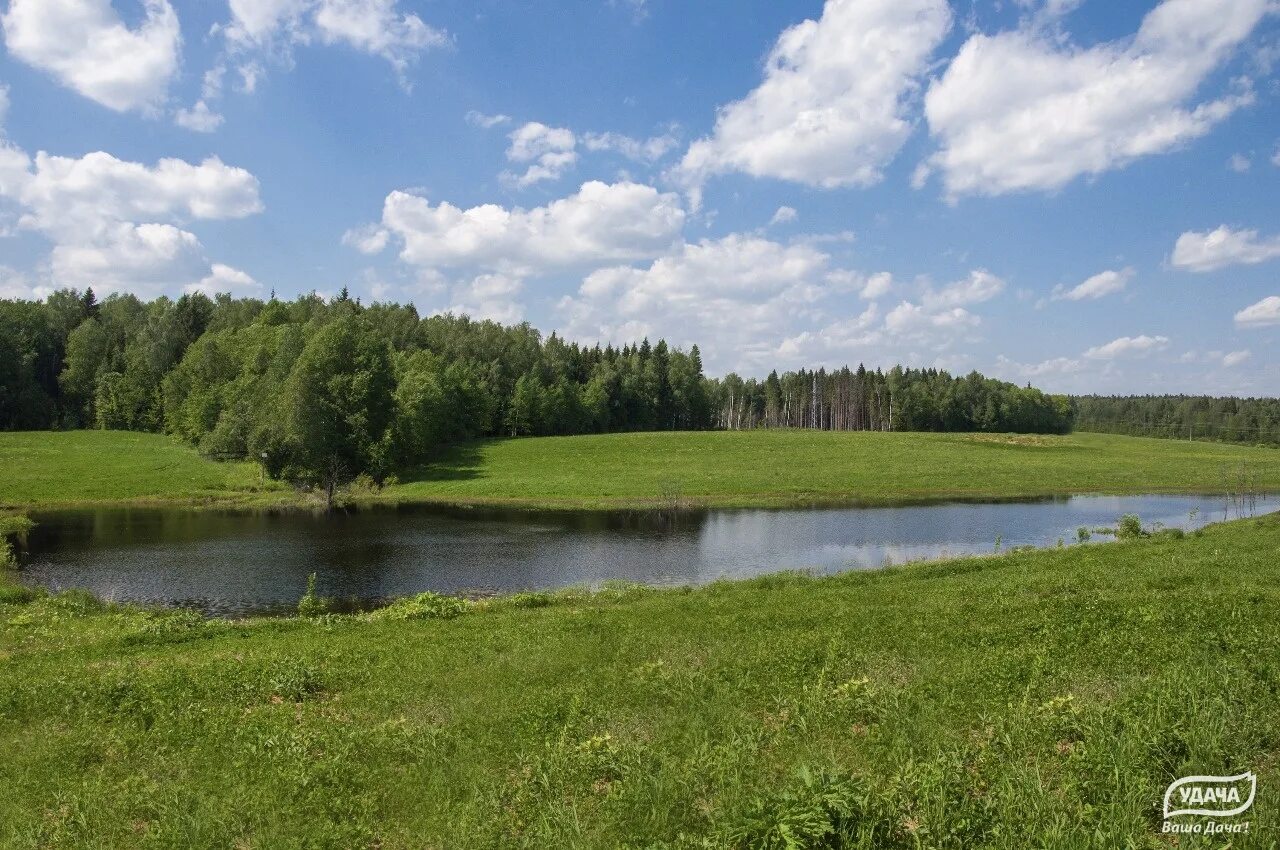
[782, 468]
[723, 469]
[98, 467]
[1032, 699]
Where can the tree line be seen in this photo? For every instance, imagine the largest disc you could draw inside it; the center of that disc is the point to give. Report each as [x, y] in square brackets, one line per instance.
[897, 400]
[1186, 417]
[322, 390]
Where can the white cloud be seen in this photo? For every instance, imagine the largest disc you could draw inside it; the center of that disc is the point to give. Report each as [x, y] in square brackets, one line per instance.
[73, 197]
[755, 304]
[376, 27]
[487, 122]
[738, 296]
[1239, 163]
[981, 285]
[640, 150]
[1126, 345]
[1052, 366]
[833, 107]
[224, 278]
[783, 215]
[908, 318]
[199, 118]
[1275, 159]
[601, 223]
[869, 287]
[367, 239]
[1235, 358]
[1023, 110]
[877, 285]
[1098, 286]
[1263, 314]
[117, 225]
[85, 46]
[489, 296]
[549, 149]
[1205, 252]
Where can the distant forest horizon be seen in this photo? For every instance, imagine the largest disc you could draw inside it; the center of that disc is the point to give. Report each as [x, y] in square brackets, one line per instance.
[325, 389]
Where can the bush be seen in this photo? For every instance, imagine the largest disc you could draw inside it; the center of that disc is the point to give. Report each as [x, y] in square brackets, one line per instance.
[1129, 527]
[424, 606]
[311, 604]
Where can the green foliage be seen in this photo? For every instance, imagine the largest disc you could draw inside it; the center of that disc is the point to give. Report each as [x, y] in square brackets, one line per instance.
[1129, 527]
[822, 812]
[312, 604]
[1182, 417]
[423, 606]
[339, 403]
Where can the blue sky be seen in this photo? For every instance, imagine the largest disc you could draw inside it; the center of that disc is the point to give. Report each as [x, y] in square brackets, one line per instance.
[1076, 193]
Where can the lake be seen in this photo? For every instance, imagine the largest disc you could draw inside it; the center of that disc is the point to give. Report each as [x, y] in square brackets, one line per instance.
[229, 563]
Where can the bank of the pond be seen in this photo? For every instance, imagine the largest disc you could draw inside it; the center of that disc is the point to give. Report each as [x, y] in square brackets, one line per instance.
[1036, 698]
[648, 470]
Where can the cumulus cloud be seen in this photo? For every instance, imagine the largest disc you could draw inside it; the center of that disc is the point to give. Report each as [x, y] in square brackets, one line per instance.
[199, 118]
[736, 295]
[489, 296]
[833, 109]
[224, 278]
[1205, 252]
[783, 215]
[1099, 285]
[599, 224]
[981, 285]
[549, 150]
[756, 304]
[1127, 345]
[1263, 314]
[1023, 110]
[87, 47]
[119, 225]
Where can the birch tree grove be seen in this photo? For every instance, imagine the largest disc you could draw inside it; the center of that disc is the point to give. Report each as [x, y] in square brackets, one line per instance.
[899, 400]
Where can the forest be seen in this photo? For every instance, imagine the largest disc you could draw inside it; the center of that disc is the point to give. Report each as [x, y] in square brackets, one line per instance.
[1186, 417]
[322, 390]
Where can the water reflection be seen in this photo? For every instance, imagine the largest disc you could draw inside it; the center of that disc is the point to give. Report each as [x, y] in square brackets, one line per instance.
[239, 562]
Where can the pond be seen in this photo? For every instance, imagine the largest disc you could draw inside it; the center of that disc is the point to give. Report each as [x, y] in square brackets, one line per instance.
[231, 563]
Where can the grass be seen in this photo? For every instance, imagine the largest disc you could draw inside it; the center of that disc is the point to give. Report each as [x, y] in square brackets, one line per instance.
[790, 468]
[716, 469]
[1032, 699]
[70, 468]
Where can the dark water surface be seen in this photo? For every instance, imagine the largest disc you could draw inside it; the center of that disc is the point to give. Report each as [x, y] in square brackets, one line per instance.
[228, 563]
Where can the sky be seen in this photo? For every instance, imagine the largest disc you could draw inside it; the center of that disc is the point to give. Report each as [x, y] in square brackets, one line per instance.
[1079, 194]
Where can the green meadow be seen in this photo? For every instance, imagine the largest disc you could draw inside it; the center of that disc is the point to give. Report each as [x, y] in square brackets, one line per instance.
[709, 468]
[1031, 699]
